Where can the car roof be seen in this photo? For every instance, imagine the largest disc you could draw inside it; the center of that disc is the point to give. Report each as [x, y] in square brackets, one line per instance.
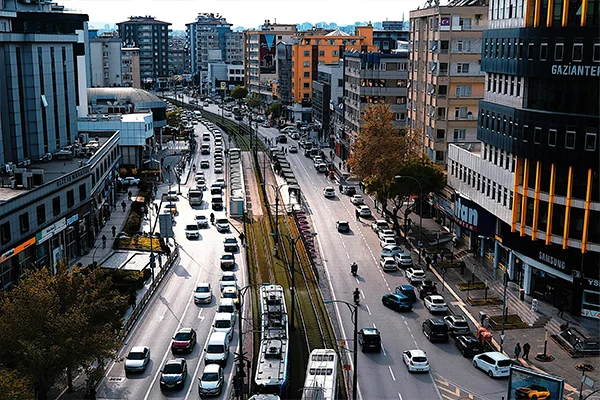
[436, 297]
[138, 349]
[185, 330]
[229, 289]
[417, 353]
[212, 368]
[386, 258]
[398, 295]
[175, 361]
[436, 321]
[226, 301]
[495, 355]
[223, 315]
[203, 284]
[370, 331]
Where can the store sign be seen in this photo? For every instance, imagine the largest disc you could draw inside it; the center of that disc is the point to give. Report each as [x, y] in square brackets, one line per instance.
[471, 216]
[71, 220]
[576, 70]
[552, 261]
[16, 250]
[51, 231]
[72, 177]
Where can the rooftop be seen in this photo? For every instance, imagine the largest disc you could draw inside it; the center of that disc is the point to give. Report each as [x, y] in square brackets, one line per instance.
[118, 93]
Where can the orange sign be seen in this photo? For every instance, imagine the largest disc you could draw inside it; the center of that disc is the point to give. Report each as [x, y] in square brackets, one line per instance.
[17, 250]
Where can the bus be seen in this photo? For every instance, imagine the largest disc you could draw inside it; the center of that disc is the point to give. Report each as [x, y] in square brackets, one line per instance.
[195, 197]
[321, 375]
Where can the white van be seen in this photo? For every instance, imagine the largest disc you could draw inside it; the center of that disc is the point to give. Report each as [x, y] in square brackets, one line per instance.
[217, 349]
[494, 363]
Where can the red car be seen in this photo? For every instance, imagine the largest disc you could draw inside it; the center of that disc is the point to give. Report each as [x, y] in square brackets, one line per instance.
[184, 340]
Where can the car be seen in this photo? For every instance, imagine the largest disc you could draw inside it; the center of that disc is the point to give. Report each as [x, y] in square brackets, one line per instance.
[230, 244]
[386, 233]
[386, 241]
[379, 224]
[210, 383]
[415, 360]
[227, 261]
[201, 184]
[222, 225]
[457, 325]
[137, 359]
[404, 260]
[204, 164]
[281, 139]
[215, 188]
[435, 303]
[173, 374]
[220, 181]
[364, 211]
[533, 392]
[228, 279]
[396, 302]
[199, 176]
[266, 124]
[226, 305]
[230, 292]
[468, 345]
[321, 167]
[201, 221]
[415, 275]
[388, 264]
[349, 190]
[227, 114]
[435, 329]
[342, 226]
[191, 231]
[494, 363]
[293, 149]
[172, 195]
[369, 340]
[171, 208]
[408, 291]
[184, 340]
[426, 288]
[218, 168]
[357, 200]
[224, 322]
[129, 181]
[203, 293]
[329, 192]
[390, 250]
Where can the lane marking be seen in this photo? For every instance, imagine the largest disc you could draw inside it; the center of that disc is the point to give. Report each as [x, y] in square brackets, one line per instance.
[200, 316]
[399, 396]
[392, 373]
[367, 307]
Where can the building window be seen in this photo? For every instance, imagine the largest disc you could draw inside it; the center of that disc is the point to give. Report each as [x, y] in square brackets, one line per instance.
[335, 53]
[439, 156]
[321, 53]
[543, 51]
[570, 140]
[70, 199]
[530, 50]
[306, 85]
[460, 112]
[460, 46]
[306, 63]
[526, 133]
[460, 133]
[590, 141]
[400, 116]
[5, 233]
[463, 90]
[307, 74]
[440, 133]
[558, 51]
[306, 53]
[56, 206]
[462, 68]
[41, 214]
[577, 51]
[552, 135]
[537, 135]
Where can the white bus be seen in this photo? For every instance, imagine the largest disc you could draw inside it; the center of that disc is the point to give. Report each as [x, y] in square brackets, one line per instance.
[321, 375]
[195, 197]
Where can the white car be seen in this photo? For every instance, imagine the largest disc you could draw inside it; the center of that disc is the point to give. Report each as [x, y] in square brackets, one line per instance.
[435, 303]
[387, 241]
[391, 250]
[228, 279]
[416, 360]
[493, 363]
[224, 322]
[329, 192]
[415, 275]
[220, 181]
[379, 224]
[210, 383]
[404, 260]
[388, 264]
[192, 232]
[129, 181]
[203, 293]
[202, 221]
[386, 233]
[363, 211]
[218, 168]
[138, 358]
[357, 200]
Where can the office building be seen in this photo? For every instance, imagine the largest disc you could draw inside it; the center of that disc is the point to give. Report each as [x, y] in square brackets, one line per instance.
[536, 172]
[106, 60]
[446, 77]
[328, 92]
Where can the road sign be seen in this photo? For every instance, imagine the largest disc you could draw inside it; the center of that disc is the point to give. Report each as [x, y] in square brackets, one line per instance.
[165, 222]
[223, 85]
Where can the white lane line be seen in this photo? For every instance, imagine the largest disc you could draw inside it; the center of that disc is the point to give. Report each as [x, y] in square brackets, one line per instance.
[200, 316]
[392, 373]
[399, 396]
[367, 307]
[362, 294]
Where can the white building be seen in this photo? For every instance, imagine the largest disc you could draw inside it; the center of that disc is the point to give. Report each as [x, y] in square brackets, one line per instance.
[106, 61]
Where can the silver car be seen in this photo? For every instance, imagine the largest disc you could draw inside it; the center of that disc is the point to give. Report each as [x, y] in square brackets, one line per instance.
[137, 360]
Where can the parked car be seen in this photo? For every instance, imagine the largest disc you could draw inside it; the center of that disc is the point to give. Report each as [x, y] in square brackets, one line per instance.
[379, 224]
[349, 190]
[390, 250]
[457, 325]
[386, 241]
[203, 293]
[329, 192]
[184, 340]
[435, 303]
[369, 339]
[173, 374]
[230, 292]
[137, 359]
[230, 244]
[415, 360]
[388, 264]
[364, 211]
[435, 329]
[396, 302]
[204, 164]
[415, 275]
[426, 288]
[404, 260]
[494, 363]
[407, 291]
[129, 181]
[210, 383]
[342, 226]
[357, 200]
[382, 233]
[227, 261]
[468, 345]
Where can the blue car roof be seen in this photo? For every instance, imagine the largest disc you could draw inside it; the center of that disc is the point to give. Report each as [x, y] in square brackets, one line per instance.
[399, 296]
[407, 287]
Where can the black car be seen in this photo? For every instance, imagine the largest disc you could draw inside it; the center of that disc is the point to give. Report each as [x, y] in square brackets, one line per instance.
[435, 329]
[349, 190]
[427, 288]
[173, 374]
[281, 139]
[468, 345]
[369, 340]
[342, 226]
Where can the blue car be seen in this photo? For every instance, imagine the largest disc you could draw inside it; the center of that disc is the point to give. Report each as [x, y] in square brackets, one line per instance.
[407, 291]
[397, 302]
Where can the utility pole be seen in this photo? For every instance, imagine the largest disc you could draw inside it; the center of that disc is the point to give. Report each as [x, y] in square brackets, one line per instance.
[503, 311]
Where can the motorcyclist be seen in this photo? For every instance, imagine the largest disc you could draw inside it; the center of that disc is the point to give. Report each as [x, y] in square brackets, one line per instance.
[212, 218]
[354, 268]
[194, 167]
[356, 294]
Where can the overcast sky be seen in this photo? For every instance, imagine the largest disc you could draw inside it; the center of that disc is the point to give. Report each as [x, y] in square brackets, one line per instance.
[246, 13]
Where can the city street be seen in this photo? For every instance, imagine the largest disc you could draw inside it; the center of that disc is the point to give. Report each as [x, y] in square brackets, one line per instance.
[173, 306]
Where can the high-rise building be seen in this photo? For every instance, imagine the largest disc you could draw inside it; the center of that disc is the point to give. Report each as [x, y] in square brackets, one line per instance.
[105, 60]
[211, 40]
[535, 178]
[151, 36]
[446, 77]
[260, 57]
[328, 92]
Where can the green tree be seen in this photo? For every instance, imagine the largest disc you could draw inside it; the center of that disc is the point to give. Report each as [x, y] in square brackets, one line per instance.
[239, 93]
[274, 110]
[255, 100]
[14, 386]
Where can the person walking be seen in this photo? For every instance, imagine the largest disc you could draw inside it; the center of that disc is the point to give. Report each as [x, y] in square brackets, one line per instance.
[242, 237]
[526, 348]
[442, 255]
[114, 230]
[517, 351]
[129, 194]
[357, 215]
[103, 241]
[123, 205]
[561, 309]
[435, 258]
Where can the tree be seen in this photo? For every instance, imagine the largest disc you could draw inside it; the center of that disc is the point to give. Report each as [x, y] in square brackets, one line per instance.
[255, 101]
[14, 386]
[52, 322]
[274, 110]
[239, 93]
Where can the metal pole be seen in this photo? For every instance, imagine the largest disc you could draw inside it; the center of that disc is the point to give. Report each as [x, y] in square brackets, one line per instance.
[503, 311]
[240, 357]
[276, 222]
[293, 287]
[355, 375]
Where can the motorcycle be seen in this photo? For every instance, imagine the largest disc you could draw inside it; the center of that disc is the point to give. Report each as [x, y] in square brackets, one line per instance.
[354, 269]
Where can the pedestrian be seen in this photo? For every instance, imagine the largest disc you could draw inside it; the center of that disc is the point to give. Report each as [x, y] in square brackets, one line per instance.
[123, 205]
[526, 348]
[129, 194]
[427, 262]
[341, 187]
[331, 154]
[340, 165]
[561, 309]
[517, 350]
[357, 215]
[114, 206]
[442, 255]
[114, 230]
[435, 258]
[103, 241]
[242, 236]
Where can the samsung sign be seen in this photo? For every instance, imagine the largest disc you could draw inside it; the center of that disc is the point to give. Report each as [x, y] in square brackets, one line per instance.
[471, 216]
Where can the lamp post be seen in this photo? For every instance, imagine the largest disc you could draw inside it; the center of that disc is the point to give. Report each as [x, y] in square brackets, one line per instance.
[420, 199]
[503, 311]
[354, 314]
[277, 190]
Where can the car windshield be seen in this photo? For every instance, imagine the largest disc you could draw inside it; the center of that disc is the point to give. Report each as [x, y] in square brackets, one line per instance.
[230, 240]
[461, 324]
[228, 278]
[210, 377]
[202, 289]
[191, 227]
[504, 363]
[418, 273]
[215, 348]
[135, 355]
[172, 369]
[437, 301]
[420, 359]
[230, 295]
[222, 323]
[222, 221]
[183, 336]
[227, 257]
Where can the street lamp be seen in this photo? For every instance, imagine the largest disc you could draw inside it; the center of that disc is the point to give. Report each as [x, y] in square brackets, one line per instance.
[354, 314]
[277, 190]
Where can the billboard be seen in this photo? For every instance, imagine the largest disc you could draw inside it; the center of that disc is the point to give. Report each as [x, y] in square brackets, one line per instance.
[267, 53]
[525, 383]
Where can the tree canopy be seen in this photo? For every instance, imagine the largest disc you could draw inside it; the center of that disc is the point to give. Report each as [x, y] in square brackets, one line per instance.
[274, 110]
[239, 93]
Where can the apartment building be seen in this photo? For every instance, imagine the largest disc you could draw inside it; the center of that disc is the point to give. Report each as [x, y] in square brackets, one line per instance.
[386, 39]
[537, 168]
[328, 93]
[151, 36]
[260, 57]
[106, 60]
[130, 57]
[446, 77]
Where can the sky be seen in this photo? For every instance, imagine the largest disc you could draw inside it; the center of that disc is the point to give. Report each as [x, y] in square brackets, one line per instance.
[246, 13]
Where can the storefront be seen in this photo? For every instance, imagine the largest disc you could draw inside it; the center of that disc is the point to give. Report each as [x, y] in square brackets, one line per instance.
[590, 298]
[473, 223]
[443, 211]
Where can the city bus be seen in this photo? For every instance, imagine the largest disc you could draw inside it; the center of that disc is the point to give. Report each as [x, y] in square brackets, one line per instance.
[195, 197]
